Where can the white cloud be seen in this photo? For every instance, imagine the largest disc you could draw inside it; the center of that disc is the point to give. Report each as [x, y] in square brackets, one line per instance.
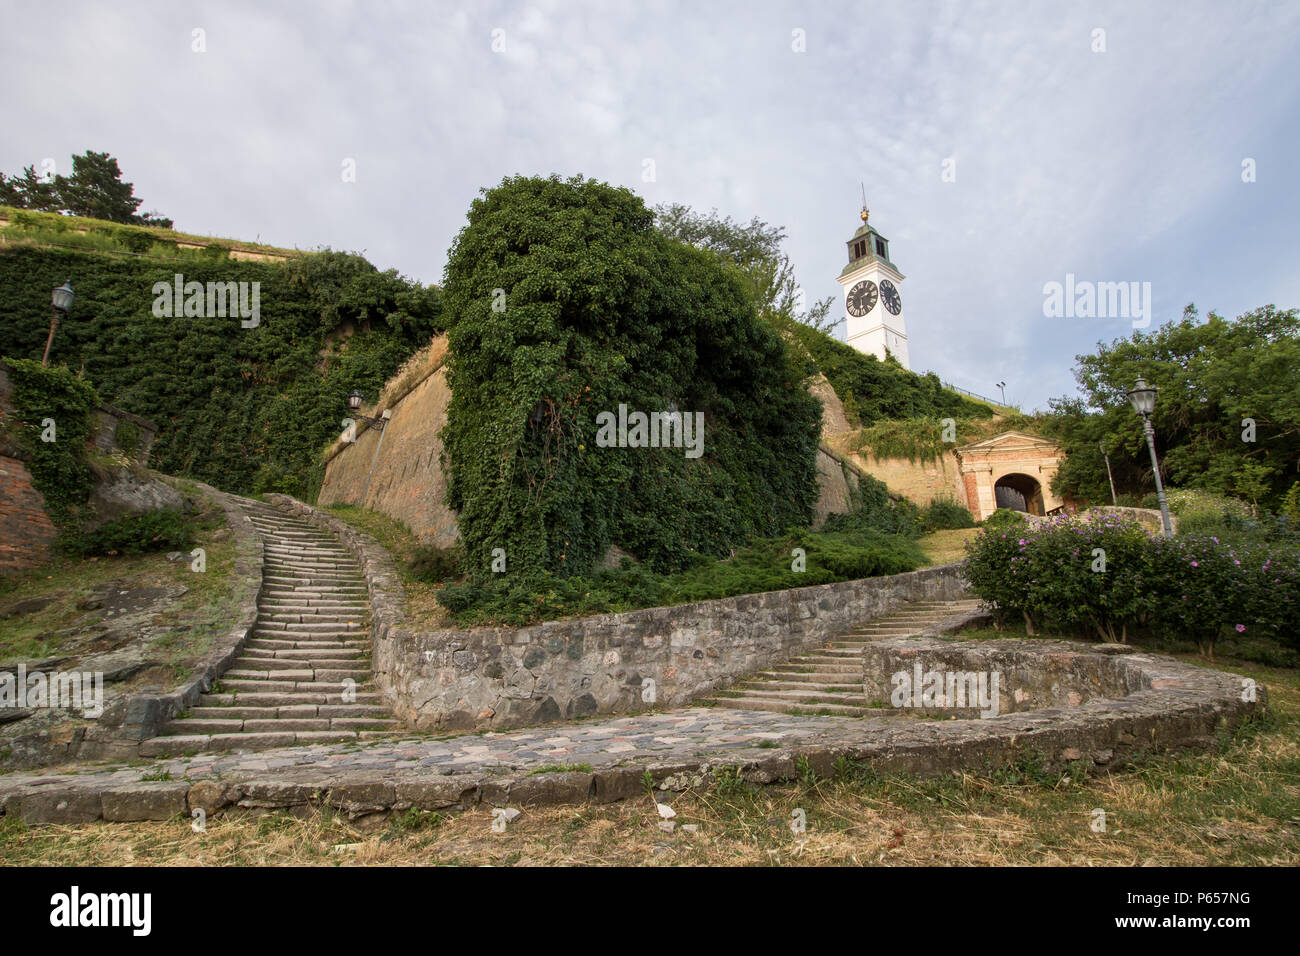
[1121, 165]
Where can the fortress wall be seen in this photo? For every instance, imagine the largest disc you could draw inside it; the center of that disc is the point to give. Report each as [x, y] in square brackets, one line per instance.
[408, 482]
[919, 481]
[837, 482]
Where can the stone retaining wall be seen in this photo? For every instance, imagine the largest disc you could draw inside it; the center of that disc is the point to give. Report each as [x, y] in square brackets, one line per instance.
[510, 677]
[1175, 707]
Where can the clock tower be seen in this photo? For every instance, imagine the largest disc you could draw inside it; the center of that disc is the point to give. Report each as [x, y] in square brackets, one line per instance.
[871, 296]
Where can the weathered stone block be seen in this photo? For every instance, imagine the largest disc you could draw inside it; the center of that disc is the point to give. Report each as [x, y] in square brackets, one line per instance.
[62, 806]
[150, 800]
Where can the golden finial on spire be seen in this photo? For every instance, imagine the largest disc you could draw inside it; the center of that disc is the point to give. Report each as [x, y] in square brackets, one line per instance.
[865, 211]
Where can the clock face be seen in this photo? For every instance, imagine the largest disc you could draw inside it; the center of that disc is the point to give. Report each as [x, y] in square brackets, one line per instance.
[889, 295]
[861, 298]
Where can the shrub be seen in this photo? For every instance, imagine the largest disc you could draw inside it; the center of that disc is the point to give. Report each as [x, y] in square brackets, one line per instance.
[763, 565]
[1196, 586]
[52, 402]
[946, 514]
[1004, 518]
[433, 565]
[877, 512]
[164, 530]
[128, 436]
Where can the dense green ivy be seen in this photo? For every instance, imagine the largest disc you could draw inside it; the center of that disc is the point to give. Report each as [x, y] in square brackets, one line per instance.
[872, 390]
[244, 409]
[51, 423]
[564, 301]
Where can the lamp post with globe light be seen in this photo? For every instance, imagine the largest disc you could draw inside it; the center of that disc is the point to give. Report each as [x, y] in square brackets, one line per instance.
[1143, 397]
[60, 302]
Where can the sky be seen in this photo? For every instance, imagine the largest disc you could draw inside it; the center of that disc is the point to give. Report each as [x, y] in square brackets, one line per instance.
[1002, 147]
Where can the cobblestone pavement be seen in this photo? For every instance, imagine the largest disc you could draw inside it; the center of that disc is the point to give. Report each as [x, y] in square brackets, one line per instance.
[1178, 706]
[690, 734]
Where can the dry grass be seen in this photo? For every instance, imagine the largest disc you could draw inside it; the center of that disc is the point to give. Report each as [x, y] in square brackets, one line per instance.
[1239, 805]
[414, 371]
[945, 547]
[423, 612]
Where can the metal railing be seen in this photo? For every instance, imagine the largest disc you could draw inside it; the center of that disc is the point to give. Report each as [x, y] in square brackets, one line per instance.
[982, 398]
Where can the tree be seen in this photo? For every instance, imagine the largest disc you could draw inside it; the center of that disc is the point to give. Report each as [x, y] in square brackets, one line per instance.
[755, 249]
[95, 190]
[29, 192]
[1227, 420]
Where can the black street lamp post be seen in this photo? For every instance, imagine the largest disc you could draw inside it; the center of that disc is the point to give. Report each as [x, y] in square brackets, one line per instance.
[60, 302]
[1143, 397]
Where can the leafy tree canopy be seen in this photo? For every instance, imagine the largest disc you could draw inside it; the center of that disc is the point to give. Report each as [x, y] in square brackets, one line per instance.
[1216, 377]
[755, 249]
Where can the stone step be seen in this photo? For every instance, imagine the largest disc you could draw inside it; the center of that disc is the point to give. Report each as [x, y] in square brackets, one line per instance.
[761, 686]
[322, 685]
[301, 615]
[832, 710]
[186, 743]
[303, 579]
[803, 666]
[289, 602]
[309, 591]
[802, 697]
[270, 644]
[207, 727]
[290, 698]
[311, 626]
[310, 560]
[298, 634]
[308, 549]
[279, 664]
[240, 712]
[848, 677]
[266, 670]
[320, 568]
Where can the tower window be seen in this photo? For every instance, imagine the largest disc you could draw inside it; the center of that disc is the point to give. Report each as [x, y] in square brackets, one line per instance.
[880, 247]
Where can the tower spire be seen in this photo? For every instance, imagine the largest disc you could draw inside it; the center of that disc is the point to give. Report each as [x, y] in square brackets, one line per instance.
[865, 211]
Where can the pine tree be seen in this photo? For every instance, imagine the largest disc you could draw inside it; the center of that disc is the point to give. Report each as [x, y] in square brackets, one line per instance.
[95, 190]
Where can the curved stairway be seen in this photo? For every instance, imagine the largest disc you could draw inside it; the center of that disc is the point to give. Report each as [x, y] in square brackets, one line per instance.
[829, 680]
[304, 674]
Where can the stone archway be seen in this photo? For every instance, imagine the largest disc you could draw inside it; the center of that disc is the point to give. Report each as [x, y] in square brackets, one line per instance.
[1019, 493]
[995, 469]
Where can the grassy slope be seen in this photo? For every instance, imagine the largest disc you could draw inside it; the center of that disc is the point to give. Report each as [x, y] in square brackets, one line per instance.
[204, 612]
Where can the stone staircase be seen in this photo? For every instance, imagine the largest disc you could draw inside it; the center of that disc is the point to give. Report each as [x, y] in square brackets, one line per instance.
[304, 675]
[829, 680]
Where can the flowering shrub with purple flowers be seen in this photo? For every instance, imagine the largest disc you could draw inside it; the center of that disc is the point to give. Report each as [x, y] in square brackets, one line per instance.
[1052, 574]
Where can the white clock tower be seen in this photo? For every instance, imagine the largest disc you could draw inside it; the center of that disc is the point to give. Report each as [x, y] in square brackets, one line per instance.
[871, 296]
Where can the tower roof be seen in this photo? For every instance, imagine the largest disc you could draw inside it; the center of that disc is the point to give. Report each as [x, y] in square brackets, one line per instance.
[867, 245]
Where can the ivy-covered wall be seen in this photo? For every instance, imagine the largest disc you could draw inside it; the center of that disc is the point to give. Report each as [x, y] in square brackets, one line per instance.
[243, 409]
[872, 390]
[564, 302]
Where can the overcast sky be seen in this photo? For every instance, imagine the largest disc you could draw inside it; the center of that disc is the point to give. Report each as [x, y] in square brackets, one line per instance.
[1122, 164]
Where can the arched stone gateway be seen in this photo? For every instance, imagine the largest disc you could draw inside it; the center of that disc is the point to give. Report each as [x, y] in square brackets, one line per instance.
[1011, 470]
[1019, 493]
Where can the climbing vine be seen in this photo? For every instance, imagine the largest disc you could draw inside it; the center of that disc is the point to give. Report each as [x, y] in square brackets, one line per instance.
[564, 302]
[51, 423]
[243, 409]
